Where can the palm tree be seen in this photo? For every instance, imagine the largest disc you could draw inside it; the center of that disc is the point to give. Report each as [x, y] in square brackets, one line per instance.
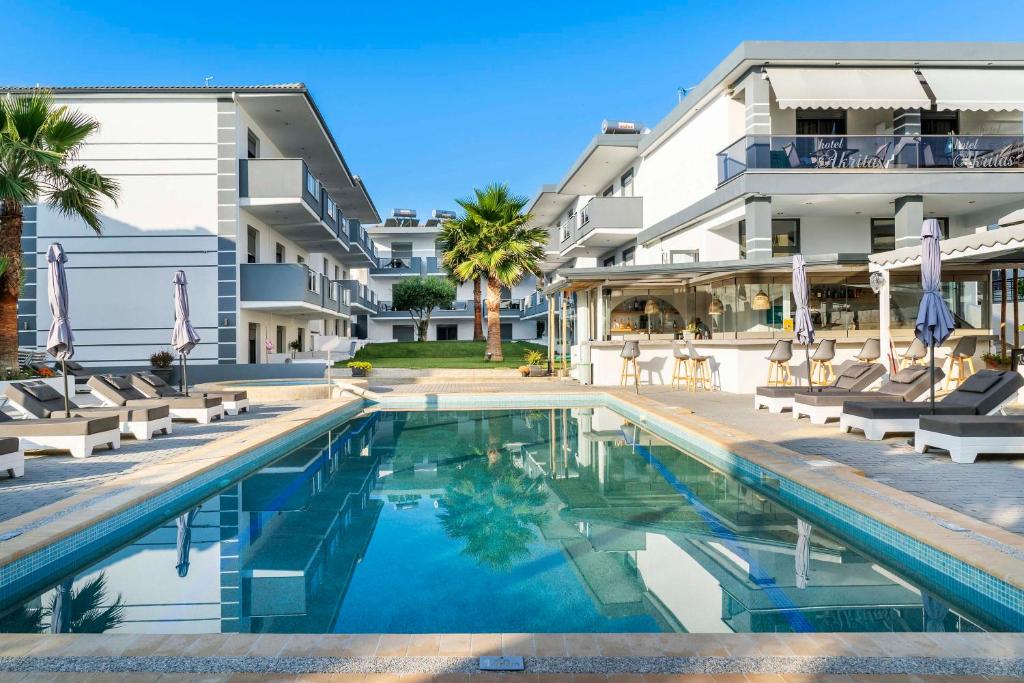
[85, 612]
[507, 249]
[460, 236]
[40, 143]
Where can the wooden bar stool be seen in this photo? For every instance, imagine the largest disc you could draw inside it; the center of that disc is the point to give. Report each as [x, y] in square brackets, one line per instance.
[700, 369]
[871, 351]
[960, 360]
[778, 363]
[630, 368]
[914, 354]
[821, 362]
[681, 369]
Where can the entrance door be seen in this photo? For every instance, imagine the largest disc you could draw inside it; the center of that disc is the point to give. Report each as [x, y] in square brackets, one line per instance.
[254, 346]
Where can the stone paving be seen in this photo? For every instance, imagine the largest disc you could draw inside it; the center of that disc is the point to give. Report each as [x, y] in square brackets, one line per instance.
[50, 478]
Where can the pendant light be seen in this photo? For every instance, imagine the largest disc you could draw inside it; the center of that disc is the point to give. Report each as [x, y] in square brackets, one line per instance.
[651, 307]
[715, 307]
[761, 301]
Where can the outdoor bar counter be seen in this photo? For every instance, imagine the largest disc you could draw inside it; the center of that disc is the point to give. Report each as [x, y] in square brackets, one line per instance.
[737, 365]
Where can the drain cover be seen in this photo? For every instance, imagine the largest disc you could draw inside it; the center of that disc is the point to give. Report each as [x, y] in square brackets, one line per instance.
[501, 664]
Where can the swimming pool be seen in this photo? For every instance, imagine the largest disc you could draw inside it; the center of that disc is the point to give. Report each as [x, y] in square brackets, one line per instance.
[570, 519]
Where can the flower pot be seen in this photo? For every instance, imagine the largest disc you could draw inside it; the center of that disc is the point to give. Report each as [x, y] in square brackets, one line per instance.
[992, 365]
[538, 371]
[360, 372]
[162, 373]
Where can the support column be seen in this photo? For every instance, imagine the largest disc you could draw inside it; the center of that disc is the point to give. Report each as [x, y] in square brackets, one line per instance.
[551, 334]
[884, 310]
[565, 328]
[756, 98]
[758, 217]
[909, 217]
[906, 122]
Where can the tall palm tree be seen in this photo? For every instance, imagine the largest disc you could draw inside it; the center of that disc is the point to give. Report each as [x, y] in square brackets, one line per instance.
[507, 249]
[40, 143]
[460, 236]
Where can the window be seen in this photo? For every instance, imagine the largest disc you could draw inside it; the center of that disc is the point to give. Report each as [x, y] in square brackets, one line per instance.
[402, 333]
[608, 262]
[883, 233]
[300, 336]
[332, 208]
[506, 331]
[280, 345]
[300, 259]
[312, 186]
[741, 239]
[820, 122]
[439, 248]
[253, 146]
[627, 183]
[252, 245]
[683, 256]
[401, 249]
[785, 236]
[337, 327]
[940, 123]
[627, 256]
[608, 191]
[337, 273]
[279, 253]
[447, 333]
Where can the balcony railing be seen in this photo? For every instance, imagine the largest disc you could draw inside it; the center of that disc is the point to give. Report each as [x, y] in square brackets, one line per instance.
[860, 152]
[399, 265]
[288, 283]
[359, 238]
[358, 294]
[612, 215]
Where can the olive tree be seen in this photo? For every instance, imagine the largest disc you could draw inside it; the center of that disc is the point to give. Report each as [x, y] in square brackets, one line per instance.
[420, 296]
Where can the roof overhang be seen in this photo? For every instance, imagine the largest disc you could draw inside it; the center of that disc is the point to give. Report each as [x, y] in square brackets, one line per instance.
[298, 309]
[601, 161]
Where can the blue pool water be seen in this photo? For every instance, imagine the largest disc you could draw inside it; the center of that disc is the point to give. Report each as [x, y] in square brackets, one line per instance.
[532, 520]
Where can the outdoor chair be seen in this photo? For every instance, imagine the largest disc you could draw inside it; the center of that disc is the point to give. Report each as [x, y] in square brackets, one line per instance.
[821, 362]
[853, 377]
[968, 436]
[914, 354]
[77, 435]
[681, 366]
[112, 390]
[909, 384]
[12, 458]
[778, 363]
[630, 367]
[234, 402]
[961, 360]
[700, 369]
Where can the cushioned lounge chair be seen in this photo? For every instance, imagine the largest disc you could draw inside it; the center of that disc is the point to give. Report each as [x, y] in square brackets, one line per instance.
[78, 435]
[854, 377]
[983, 393]
[40, 400]
[75, 371]
[12, 458]
[113, 390]
[909, 384]
[968, 436]
[234, 402]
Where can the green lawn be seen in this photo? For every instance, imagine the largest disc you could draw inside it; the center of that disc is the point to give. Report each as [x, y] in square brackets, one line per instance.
[442, 354]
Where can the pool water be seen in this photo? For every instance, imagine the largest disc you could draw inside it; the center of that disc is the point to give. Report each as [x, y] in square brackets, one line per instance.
[543, 520]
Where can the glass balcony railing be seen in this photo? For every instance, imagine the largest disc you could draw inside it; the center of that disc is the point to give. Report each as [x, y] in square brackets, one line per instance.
[862, 152]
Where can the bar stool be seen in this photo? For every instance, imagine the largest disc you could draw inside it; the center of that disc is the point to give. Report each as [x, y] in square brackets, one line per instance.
[960, 360]
[700, 369]
[681, 369]
[821, 361]
[871, 351]
[914, 354]
[778, 363]
[630, 352]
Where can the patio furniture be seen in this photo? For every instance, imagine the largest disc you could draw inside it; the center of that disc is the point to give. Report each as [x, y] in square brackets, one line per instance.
[968, 436]
[40, 400]
[960, 360]
[914, 354]
[234, 402]
[909, 384]
[630, 368]
[681, 368]
[871, 351]
[112, 390]
[77, 435]
[778, 363]
[821, 362]
[983, 393]
[12, 458]
[700, 369]
[854, 377]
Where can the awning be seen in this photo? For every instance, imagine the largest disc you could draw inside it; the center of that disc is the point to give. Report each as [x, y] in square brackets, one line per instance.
[977, 89]
[993, 248]
[845, 88]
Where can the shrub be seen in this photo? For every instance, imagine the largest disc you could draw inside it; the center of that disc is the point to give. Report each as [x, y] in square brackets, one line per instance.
[46, 372]
[996, 359]
[359, 365]
[534, 358]
[295, 345]
[161, 359]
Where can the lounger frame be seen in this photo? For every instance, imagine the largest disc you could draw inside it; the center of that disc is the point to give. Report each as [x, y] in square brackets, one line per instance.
[774, 404]
[79, 445]
[201, 415]
[820, 415]
[876, 430]
[964, 450]
[235, 407]
[142, 430]
[14, 462]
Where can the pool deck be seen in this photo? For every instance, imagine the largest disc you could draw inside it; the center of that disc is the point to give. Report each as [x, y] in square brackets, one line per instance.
[985, 499]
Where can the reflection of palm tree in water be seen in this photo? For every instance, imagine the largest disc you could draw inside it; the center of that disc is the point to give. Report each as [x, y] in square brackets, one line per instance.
[493, 506]
[69, 611]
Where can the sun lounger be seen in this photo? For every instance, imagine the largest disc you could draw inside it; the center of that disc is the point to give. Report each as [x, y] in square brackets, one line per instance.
[39, 400]
[79, 435]
[112, 390]
[854, 377]
[909, 384]
[234, 402]
[75, 371]
[983, 393]
[12, 458]
[967, 436]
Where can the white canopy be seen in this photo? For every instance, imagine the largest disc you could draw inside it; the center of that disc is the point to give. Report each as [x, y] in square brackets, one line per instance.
[847, 88]
[980, 246]
[977, 89]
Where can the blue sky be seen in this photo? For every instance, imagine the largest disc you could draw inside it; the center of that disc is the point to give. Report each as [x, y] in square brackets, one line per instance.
[429, 99]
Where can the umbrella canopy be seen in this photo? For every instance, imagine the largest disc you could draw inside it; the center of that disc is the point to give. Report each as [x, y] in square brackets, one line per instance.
[802, 558]
[934, 320]
[184, 338]
[184, 544]
[60, 607]
[935, 612]
[60, 340]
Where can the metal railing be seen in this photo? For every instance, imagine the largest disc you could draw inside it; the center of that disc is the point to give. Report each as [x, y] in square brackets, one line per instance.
[860, 152]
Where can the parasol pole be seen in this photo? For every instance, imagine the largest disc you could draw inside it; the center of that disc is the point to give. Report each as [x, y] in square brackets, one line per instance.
[67, 401]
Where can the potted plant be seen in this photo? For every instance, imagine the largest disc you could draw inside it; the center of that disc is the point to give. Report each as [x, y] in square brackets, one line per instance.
[536, 363]
[295, 346]
[360, 368]
[524, 370]
[996, 361]
[161, 362]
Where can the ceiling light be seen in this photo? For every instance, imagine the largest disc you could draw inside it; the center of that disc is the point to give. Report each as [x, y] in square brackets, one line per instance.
[858, 212]
[970, 201]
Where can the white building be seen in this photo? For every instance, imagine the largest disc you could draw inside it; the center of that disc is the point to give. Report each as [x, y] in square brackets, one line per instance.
[832, 150]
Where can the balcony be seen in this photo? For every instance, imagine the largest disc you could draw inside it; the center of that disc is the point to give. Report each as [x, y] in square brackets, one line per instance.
[603, 223]
[398, 266]
[510, 308]
[535, 305]
[291, 289]
[361, 298]
[869, 153]
[362, 251]
[285, 195]
[434, 267]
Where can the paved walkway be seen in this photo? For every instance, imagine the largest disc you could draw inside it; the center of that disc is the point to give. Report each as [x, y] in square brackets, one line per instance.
[50, 478]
